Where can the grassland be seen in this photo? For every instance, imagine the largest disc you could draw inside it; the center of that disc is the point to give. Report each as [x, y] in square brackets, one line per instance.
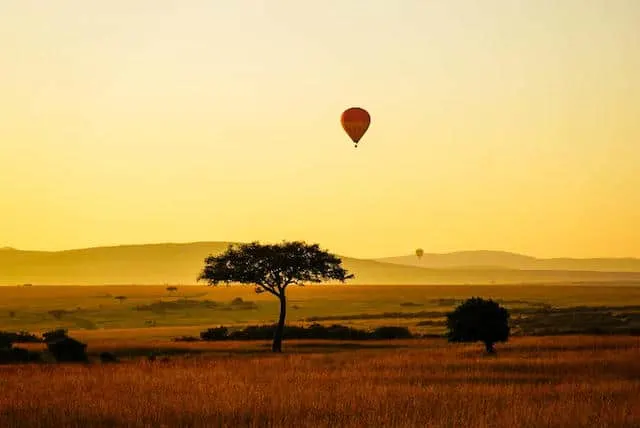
[151, 311]
[551, 382]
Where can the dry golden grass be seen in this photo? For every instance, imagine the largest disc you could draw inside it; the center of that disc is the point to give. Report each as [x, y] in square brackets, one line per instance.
[534, 382]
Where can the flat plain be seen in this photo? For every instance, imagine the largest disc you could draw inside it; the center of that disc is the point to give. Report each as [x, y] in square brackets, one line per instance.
[152, 311]
[557, 379]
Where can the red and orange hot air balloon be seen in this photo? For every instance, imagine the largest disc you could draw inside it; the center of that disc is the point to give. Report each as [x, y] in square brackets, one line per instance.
[355, 122]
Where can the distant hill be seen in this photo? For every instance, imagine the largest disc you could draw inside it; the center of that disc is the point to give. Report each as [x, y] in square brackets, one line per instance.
[181, 264]
[506, 260]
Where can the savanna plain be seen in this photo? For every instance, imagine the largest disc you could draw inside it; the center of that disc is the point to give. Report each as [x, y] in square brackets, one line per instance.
[573, 359]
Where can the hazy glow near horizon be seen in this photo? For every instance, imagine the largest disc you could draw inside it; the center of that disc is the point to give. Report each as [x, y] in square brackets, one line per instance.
[495, 124]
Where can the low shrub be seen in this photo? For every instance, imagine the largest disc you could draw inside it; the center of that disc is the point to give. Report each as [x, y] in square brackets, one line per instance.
[186, 339]
[314, 331]
[18, 355]
[431, 323]
[411, 304]
[392, 333]
[64, 348]
[218, 333]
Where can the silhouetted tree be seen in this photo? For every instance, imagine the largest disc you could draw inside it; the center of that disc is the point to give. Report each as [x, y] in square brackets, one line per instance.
[172, 289]
[120, 298]
[272, 268]
[479, 320]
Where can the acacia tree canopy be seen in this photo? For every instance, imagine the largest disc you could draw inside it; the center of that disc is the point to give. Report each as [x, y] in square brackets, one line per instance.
[273, 267]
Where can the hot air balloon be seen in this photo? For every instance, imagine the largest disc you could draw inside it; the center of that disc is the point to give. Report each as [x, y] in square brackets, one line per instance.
[419, 253]
[355, 122]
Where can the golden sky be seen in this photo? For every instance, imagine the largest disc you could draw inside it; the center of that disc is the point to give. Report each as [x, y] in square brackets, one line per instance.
[506, 125]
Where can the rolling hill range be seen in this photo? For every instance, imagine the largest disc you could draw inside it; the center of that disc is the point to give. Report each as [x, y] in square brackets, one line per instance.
[181, 263]
[506, 260]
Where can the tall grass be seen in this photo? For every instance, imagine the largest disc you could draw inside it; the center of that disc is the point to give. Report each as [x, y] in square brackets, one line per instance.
[534, 382]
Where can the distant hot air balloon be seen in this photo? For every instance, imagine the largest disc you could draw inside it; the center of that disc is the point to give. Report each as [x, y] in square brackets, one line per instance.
[355, 122]
[419, 253]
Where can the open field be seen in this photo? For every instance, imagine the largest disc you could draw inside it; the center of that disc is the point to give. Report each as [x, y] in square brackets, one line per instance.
[151, 311]
[554, 381]
[533, 382]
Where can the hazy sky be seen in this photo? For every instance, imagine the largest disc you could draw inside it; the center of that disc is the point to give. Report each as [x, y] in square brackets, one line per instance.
[508, 125]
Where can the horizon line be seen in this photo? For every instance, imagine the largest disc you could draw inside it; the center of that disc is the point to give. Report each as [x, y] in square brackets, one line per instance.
[6, 248]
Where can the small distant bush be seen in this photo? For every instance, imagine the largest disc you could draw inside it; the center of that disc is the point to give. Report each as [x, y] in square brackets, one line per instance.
[433, 336]
[238, 303]
[411, 304]
[186, 339]
[430, 323]
[217, 333]
[392, 333]
[58, 313]
[9, 354]
[18, 355]
[177, 305]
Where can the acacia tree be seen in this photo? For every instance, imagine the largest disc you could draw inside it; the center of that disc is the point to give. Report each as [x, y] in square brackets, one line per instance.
[479, 320]
[272, 268]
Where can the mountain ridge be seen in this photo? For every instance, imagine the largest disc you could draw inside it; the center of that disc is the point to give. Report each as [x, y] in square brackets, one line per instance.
[180, 263]
[509, 260]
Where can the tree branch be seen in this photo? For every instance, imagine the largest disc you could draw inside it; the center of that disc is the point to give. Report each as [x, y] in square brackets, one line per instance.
[268, 288]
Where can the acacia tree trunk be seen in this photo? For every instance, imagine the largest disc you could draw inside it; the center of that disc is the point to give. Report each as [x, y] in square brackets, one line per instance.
[277, 337]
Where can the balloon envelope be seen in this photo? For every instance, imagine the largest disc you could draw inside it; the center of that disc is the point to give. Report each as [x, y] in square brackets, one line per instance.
[355, 122]
[419, 252]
